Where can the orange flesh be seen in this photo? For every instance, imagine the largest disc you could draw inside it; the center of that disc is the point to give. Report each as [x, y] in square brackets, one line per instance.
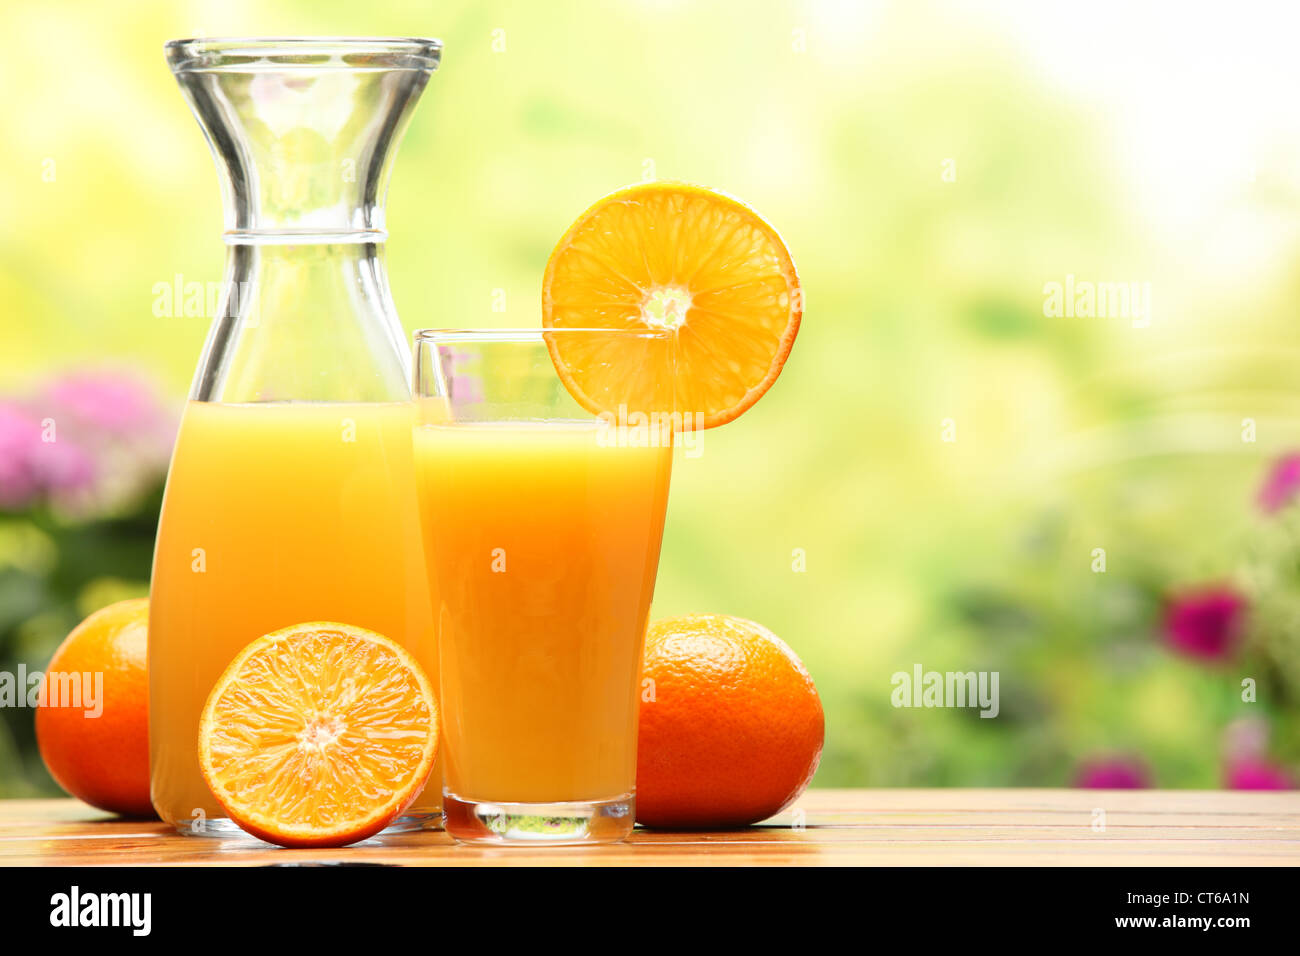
[682, 258]
[319, 734]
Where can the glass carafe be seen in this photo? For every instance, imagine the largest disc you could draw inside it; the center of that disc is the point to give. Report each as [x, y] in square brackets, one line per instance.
[291, 495]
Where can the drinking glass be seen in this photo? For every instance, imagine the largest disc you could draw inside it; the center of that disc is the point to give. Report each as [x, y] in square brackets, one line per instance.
[542, 519]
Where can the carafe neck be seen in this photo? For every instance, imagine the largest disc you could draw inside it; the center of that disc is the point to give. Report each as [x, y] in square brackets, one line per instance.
[304, 132]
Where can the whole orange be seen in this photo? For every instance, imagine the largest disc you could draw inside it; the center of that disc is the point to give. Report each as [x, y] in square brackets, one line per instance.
[92, 724]
[731, 725]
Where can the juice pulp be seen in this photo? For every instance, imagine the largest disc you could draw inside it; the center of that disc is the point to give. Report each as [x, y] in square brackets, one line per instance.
[276, 514]
[543, 547]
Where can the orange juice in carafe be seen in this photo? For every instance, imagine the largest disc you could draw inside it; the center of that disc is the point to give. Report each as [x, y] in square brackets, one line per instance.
[277, 514]
[291, 495]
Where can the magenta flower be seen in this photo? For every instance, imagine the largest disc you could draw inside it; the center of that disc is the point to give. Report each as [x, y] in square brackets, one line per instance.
[1254, 773]
[1206, 623]
[63, 467]
[19, 434]
[84, 444]
[1280, 487]
[111, 402]
[1112, 773]
[36, 461]
[1246, 764]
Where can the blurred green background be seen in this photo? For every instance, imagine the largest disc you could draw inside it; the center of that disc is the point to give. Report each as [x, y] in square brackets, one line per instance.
[947, 456]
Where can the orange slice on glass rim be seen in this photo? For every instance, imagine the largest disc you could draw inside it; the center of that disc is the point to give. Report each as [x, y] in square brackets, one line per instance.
[672, 256]
[320, 734]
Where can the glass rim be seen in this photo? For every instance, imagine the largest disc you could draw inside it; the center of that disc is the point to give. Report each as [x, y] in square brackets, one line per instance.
[527, 336]
[249, 54]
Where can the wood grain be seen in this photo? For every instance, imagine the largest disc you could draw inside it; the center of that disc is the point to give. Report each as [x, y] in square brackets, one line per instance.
[827, 827]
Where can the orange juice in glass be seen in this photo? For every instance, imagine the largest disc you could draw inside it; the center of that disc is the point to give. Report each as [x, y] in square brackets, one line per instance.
[543, 521]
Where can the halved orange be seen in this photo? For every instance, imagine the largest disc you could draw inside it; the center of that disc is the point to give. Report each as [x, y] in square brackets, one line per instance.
[672, 256]
[319, 734]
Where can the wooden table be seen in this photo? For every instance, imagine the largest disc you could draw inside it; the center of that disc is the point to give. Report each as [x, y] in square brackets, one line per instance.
[828, 827]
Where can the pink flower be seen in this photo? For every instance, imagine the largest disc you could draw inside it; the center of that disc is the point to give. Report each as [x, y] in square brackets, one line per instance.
[1112, 773]
[63, 467]
[35, 461]
[103, 400]
[1281, 485]
[1254, 773]
[19, 433]
[1206, 623]
[84, 444]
